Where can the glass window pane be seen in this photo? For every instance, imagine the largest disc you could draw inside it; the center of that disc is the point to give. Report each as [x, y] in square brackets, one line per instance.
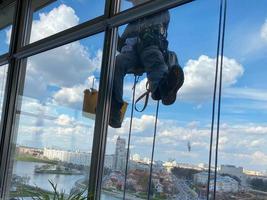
[55, 120]
[3, 77]
[52, 16]
[183, 131]
[243, 136]
[6, 21]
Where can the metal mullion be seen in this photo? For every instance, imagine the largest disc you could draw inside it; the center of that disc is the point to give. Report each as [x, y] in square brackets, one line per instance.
[14, 75]
[4, 59]
[70, 35]
[146, 9]
[106, 82]
[5, 118]
[104, 99]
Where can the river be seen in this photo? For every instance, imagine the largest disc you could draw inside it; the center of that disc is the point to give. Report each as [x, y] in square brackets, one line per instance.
[64, 182]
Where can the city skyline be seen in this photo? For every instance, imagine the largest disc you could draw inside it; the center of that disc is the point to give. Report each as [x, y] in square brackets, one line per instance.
[243, 127]
[110, 159]
[170, 179]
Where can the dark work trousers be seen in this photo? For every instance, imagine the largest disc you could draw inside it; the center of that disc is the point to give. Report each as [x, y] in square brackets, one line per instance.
[151, 59]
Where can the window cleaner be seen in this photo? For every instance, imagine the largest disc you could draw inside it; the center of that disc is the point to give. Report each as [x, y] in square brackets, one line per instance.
[143, 47]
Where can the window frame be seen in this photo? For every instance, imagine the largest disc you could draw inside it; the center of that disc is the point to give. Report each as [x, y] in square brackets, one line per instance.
[20, 49]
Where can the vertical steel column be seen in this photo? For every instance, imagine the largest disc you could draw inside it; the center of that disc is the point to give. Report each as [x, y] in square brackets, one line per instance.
[14, 76]
[102, 114]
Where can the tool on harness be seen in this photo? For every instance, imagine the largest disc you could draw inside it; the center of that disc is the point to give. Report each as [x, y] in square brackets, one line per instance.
[155, 35]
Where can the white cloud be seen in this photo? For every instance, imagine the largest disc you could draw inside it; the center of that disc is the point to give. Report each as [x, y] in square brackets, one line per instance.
[34, 106]
[252, 129]
[43, 123]
[240, 140]
[144, 124]
[259, 157]
[257, 143]
[58, 19]
[66, 68]
[193, 124]
[128, 89]
[264, 31]
[246, 93]
[73, 96]
[169, 135]
[246, 129]
[64, 120]
[69, 96]
[222, 142]
[199, 77]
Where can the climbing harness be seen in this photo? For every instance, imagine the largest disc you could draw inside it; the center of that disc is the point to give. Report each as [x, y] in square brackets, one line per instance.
[220, 53]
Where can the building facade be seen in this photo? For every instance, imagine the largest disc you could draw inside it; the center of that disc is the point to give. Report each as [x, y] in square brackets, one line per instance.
[120, 155]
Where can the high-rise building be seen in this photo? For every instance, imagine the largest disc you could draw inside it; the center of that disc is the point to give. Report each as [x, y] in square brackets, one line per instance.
[120, 155]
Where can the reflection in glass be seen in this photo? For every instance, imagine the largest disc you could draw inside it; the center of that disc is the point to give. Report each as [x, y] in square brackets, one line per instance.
[6, 21]
[242, 146]
[54, 131]
[3, 77]
[51, 17]
[183, 132]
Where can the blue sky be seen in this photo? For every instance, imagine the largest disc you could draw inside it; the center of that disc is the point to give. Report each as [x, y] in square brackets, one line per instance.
[193, 36]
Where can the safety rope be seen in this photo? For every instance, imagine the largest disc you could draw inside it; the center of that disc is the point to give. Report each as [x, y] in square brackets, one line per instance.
[146, 95]
[129, 137]
[219, 103]
[214, 99]
[153, 151]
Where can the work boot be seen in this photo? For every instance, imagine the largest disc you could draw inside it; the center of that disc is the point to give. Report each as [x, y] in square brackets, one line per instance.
[115, 119]
[170, 85]
[156, 95]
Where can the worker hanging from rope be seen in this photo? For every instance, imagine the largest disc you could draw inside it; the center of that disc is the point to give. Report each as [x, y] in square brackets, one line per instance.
[143, 47]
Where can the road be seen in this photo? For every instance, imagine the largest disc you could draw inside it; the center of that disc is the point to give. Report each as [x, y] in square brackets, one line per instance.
[185, 192]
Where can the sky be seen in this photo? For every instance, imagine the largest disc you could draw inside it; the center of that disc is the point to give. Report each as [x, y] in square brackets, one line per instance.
[55, 81]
